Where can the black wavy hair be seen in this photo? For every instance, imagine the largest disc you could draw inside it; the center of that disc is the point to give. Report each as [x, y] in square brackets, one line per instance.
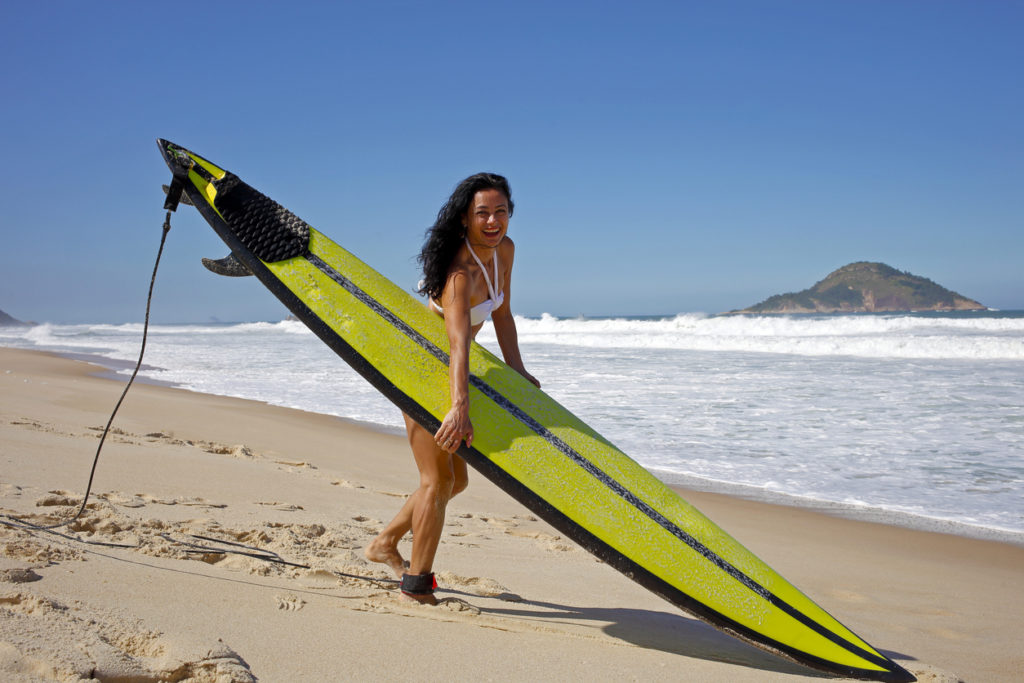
[447, 233]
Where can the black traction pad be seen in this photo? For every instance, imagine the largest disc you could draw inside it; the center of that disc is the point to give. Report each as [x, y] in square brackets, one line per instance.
[270, 231]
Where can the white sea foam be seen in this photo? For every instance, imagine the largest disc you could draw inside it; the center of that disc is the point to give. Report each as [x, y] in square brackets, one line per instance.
[868, 336]
[919, 415]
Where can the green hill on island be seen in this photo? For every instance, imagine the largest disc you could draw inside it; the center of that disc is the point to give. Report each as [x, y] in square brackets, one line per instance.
[865, 287]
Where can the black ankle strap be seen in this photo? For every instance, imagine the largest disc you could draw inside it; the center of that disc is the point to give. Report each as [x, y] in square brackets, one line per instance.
[418, 584]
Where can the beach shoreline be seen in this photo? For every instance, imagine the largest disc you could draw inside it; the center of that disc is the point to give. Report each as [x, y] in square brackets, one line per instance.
[182, 465]
[114, 369]
[687, 486]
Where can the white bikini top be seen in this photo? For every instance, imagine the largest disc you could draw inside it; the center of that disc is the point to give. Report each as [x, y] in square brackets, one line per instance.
[482, 311]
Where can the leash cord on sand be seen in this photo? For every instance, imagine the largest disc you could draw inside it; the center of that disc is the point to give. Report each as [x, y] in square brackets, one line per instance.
[266, 555]
[92, 473]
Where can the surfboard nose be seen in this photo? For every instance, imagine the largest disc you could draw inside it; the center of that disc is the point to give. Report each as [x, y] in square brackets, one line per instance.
[177, 157]
[164, 146]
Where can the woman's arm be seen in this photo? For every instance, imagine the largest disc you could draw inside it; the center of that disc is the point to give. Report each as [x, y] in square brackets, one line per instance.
[505, 324]
[456, 425]
[508, 340]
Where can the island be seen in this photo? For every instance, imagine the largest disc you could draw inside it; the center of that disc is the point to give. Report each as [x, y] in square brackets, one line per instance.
[6, 319]
[865, 287]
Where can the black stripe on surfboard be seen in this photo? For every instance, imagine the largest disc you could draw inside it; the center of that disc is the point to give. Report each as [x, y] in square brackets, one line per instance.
[592, 469]
[892, 672]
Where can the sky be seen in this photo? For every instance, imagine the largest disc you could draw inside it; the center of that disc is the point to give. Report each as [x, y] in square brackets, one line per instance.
[664, 157]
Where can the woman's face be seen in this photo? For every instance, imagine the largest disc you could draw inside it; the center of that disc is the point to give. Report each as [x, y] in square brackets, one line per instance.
[486, 220]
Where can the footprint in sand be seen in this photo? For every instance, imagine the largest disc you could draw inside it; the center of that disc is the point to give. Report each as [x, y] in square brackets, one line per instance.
[122, 499]
[297, 464]
[191, 501]
[392, 602]
[84, 642]
[35, 552]
[344, 483]
[30, 423]
[284, 507]
[477, 585]
[116, 434]
[59, 498]
[290, 603]
[236, 451]
[10, 490]
[457, 605]
[162, 437]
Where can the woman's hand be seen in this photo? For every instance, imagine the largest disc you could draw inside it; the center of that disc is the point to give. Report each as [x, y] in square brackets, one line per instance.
[533, 380]
[455, 428]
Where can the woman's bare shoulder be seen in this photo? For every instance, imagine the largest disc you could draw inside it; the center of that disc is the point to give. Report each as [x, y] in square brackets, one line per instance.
[507, 248]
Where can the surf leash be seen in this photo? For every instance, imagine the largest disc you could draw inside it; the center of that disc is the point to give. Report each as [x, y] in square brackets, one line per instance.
[173, 196]
[235, 548]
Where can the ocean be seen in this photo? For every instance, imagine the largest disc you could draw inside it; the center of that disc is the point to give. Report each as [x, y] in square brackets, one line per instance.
[911, 419]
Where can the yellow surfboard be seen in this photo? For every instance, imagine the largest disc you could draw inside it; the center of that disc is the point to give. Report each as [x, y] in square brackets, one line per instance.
[525, 442]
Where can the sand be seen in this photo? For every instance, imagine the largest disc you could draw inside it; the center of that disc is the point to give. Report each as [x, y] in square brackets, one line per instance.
[186, 477]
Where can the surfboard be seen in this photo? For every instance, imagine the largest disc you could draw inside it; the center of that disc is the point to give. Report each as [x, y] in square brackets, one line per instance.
[525, 441]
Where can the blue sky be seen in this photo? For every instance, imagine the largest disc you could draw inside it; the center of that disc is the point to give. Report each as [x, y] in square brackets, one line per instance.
[665, 157]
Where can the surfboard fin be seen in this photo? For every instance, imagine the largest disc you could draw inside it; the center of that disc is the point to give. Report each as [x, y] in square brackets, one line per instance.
[182, 197]
[229, 266]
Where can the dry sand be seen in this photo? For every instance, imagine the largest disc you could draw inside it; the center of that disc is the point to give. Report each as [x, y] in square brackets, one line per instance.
[520, 601]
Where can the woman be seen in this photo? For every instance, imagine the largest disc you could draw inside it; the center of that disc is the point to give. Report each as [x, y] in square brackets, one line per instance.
[467, 268]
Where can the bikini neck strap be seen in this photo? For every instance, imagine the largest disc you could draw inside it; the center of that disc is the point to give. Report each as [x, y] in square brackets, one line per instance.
[490, 288]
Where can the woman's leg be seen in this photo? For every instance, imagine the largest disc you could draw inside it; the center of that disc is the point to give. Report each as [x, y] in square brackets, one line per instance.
[437, 482]
[441, 477]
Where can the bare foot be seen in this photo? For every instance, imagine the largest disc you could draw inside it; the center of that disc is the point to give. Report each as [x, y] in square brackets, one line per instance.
[381, 551]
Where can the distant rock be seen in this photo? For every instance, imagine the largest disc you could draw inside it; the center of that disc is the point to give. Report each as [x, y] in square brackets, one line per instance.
[865, 287]
[9, 321]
